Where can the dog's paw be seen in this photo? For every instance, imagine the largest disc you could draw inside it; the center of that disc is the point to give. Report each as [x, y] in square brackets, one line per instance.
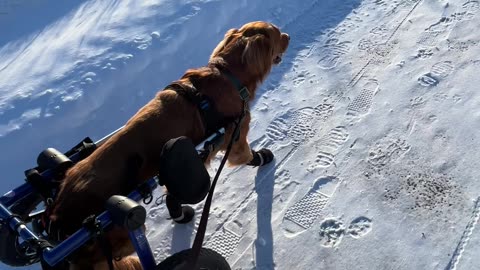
[187, 215]
[261, 157]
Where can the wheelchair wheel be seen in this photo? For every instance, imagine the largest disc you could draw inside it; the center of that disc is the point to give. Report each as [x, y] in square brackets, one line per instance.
[208, 259]
[12, 253]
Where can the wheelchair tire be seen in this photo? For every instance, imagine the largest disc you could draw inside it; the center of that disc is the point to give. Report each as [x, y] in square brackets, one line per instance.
[208, 259]
[9, 249]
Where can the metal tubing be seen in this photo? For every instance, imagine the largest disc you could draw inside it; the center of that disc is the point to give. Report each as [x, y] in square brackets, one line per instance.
[142, 247]
[17, 225]
[53, 256]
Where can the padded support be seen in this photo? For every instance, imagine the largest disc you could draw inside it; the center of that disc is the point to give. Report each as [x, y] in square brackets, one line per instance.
[182, 171]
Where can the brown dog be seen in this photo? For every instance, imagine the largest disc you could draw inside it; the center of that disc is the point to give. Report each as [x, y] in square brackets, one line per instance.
[248, 53]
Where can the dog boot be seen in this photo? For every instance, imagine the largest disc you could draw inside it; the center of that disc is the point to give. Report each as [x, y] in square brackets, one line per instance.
[261, 157]
[180, 214]
[187, 215]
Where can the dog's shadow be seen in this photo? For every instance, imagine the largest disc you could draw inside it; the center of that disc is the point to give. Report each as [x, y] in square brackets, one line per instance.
[264, 187]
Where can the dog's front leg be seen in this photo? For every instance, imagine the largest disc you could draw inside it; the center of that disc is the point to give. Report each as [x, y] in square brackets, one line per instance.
[241, 152]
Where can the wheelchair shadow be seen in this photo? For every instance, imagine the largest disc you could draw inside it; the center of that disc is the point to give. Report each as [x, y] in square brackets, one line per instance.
[182, 236]
[264, 186]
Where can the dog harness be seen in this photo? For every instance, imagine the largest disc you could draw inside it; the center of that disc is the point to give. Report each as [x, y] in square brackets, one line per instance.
[211, 118]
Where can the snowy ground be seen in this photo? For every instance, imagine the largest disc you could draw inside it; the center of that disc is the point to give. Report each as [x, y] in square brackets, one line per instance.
[372, 115]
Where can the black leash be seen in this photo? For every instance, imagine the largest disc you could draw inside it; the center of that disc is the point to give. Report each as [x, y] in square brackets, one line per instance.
[202, 227]
[197, 243]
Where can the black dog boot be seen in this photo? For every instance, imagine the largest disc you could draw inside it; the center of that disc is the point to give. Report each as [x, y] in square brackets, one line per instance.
[187, 215]
[261, 157]
[180, 214]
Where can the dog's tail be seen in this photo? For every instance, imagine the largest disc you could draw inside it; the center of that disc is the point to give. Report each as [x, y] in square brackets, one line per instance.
[128, 263]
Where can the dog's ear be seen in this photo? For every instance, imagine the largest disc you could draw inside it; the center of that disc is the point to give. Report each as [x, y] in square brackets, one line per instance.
[258, 53]
[228, 37]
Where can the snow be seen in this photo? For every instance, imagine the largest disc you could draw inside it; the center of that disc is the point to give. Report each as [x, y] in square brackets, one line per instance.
[372, 117]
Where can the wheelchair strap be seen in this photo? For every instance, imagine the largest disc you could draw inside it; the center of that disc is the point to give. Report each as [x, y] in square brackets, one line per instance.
[95, 228]
[42, 186]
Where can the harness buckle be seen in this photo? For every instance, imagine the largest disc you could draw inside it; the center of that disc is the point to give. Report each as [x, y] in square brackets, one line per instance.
[244, 95]
[204, 104]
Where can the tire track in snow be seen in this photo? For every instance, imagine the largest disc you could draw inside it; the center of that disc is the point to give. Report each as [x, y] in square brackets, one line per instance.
[356, 78]
[457, 254]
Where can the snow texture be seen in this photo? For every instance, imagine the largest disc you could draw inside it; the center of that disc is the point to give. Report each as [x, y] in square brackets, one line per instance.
[372, 117]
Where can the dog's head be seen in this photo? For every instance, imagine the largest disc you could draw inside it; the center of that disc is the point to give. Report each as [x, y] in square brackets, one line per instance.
[256, 46]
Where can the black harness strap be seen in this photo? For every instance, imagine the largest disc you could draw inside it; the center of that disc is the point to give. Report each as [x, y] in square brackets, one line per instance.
[93, 225]
[211, 118]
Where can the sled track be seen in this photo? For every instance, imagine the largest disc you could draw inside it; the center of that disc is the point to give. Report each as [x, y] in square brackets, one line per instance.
[457, 254]
[360, 73]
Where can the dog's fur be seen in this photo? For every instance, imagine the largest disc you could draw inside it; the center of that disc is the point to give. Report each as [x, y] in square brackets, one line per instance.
[248, 53]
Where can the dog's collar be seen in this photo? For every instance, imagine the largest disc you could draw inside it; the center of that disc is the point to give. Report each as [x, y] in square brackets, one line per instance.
[242, 89]
[244, 96]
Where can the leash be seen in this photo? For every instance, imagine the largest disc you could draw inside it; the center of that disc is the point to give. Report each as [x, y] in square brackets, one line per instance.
[197, 243]
[202, 227]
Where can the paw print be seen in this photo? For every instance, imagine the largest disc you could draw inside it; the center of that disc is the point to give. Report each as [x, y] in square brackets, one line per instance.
[333, 230]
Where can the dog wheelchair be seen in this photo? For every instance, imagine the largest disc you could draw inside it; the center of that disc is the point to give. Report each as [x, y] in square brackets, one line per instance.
[24, 241]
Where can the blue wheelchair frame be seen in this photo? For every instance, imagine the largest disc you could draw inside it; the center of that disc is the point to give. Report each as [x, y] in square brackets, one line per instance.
[55, 255]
